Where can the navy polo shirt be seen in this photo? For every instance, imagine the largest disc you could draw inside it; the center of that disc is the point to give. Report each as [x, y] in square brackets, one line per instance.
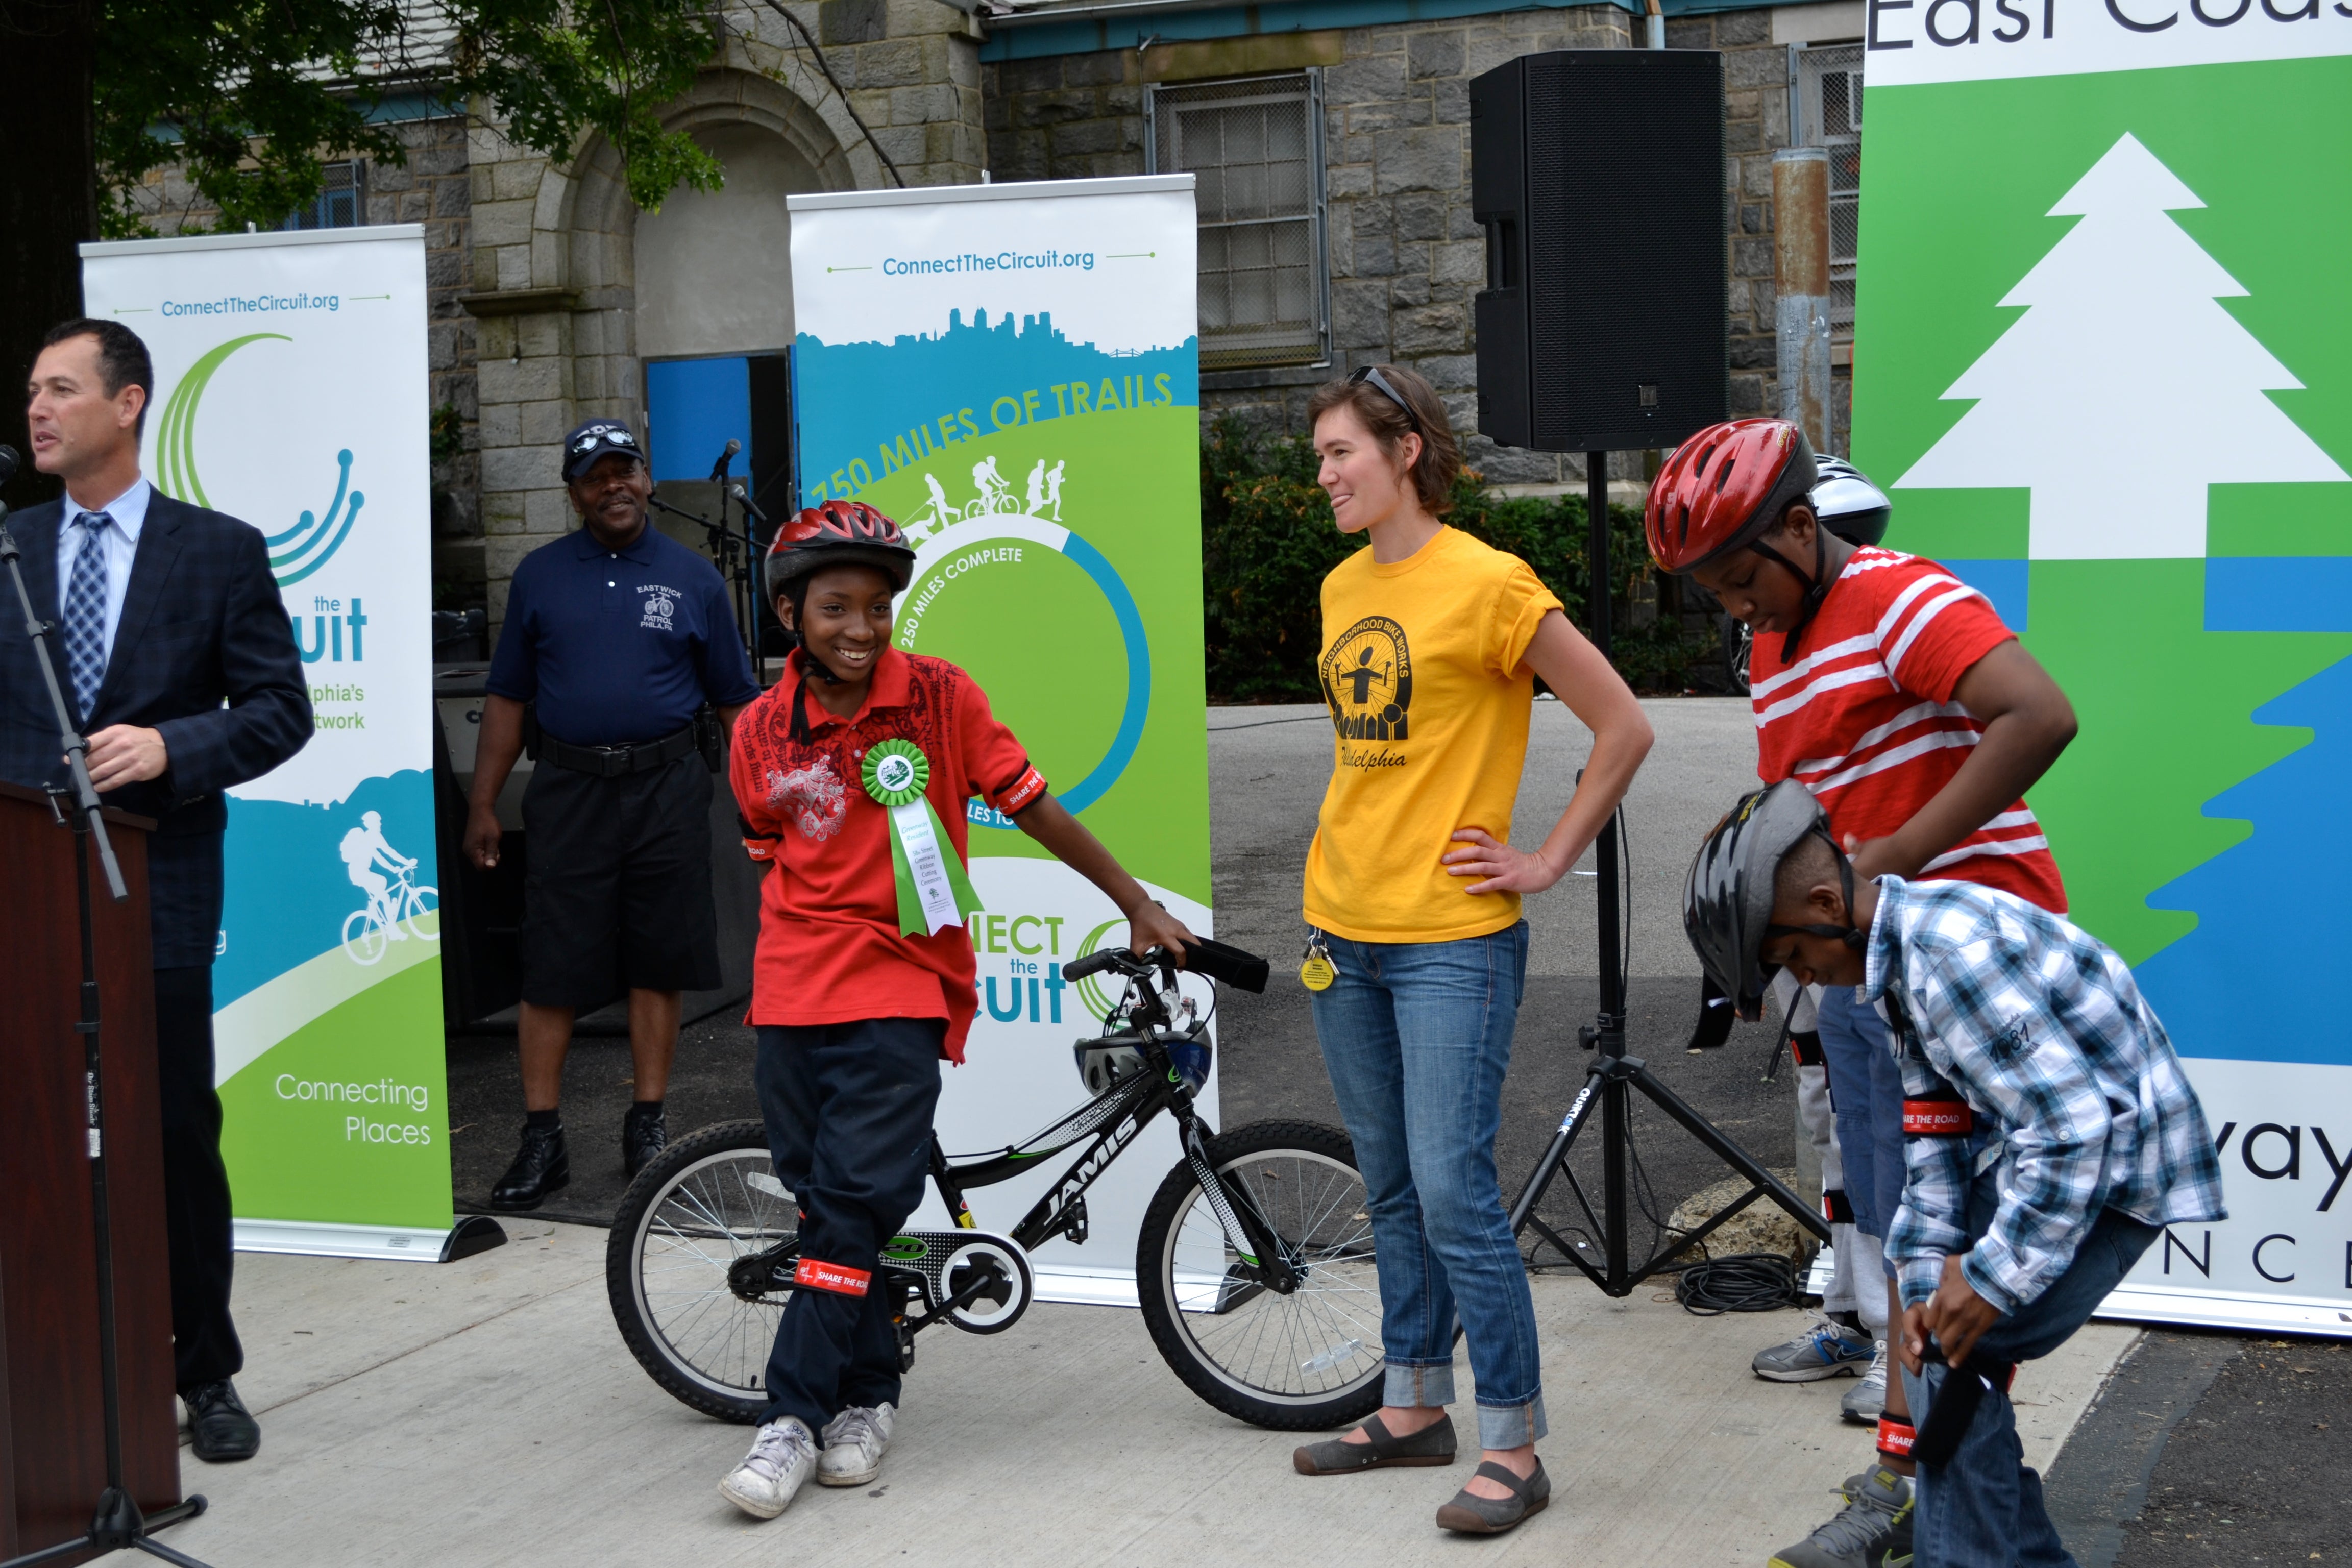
[619, 646]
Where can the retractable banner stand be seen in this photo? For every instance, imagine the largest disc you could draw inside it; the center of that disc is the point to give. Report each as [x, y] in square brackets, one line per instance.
[2105, 354]
[1012, 372]
[290, 391]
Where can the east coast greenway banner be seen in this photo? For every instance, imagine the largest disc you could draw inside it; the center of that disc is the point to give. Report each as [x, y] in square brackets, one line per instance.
[290, 391]
[1012, 373]
[2104, 352]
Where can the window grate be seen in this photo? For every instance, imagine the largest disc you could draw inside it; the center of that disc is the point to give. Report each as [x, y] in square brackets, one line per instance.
[1254, 147]
[1830, 94]
[343, 200]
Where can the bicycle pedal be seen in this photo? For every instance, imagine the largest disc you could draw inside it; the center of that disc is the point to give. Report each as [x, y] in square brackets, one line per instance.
[992, 1269]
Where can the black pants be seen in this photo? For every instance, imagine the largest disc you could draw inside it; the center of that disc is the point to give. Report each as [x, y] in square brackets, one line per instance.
[196, 1217]
[848, 1107]
[617, 892]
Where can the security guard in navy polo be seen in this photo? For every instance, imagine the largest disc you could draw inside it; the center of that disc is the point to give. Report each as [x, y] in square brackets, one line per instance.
[618, 636]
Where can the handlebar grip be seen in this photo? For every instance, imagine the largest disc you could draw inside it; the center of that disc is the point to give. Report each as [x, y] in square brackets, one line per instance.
[1092, 963]
[1245, 971]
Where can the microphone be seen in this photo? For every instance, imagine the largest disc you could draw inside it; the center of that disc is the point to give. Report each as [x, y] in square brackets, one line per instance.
[8, 461]
[718, 468]
[744, 496]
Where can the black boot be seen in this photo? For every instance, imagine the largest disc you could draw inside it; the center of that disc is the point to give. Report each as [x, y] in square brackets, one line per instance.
[222, 1429]
[644, 1135]
[540, 1167]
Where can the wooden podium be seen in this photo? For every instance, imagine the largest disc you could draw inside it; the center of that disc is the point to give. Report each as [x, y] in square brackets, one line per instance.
[52, 1448]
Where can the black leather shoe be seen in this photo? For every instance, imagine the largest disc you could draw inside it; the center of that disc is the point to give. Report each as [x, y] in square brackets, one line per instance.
[224, 1430]
[644, 1135]
[539, 1168]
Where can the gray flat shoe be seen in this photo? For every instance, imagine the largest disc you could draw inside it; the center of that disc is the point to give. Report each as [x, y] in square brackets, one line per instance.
[1472, 1515]
[1432, 1445]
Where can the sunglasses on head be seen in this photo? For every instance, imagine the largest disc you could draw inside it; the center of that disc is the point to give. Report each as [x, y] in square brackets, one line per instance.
[1368, 376]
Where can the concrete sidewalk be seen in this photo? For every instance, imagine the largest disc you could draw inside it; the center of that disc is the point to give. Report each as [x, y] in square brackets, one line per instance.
[485, 1411]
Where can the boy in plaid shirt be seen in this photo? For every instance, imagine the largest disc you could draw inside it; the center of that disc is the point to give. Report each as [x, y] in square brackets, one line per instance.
[2050, 1132]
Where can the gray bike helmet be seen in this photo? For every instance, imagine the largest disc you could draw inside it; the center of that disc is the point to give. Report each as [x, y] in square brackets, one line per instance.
[1728, 906]
[1848, 504]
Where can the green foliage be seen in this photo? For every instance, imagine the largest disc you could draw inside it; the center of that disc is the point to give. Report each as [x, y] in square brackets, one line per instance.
[1268, 540]
[243, 95]
[448, 427]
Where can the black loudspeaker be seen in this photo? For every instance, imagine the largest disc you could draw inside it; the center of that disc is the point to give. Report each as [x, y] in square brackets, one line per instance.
[1597, 174]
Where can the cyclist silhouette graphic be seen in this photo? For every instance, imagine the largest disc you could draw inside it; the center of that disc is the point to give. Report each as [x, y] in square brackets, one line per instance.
[363, 848]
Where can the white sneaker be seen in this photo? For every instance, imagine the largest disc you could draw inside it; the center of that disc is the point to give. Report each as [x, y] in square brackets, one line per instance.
[780, 1461]
[855, 1442]
[1865, 1399]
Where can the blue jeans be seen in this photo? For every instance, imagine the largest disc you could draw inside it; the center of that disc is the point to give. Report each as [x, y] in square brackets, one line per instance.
[1984, 1509]
[1416, 1037]
[1867, 1093]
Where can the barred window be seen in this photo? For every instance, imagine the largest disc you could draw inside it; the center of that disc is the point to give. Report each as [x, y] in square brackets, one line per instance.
[1830, 103]
[1256, 147]
[343, 200]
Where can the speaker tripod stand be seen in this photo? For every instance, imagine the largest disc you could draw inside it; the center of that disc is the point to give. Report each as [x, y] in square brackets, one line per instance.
[1614, 1078]
[117, 1522]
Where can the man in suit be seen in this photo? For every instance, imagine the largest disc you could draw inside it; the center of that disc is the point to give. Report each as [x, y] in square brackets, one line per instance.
[180, 666]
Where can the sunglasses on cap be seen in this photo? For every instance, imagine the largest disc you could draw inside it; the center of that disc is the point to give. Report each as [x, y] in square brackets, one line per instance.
[610, 435]
[1369, 376]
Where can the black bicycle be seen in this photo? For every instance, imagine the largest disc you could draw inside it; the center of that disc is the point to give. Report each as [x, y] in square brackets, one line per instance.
[1253, 1268]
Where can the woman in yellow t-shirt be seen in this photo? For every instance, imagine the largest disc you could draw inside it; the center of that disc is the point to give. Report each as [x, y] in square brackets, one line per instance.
[1432, 642]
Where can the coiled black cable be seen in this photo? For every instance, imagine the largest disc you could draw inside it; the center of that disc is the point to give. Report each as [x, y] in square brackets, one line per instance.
[1743, 1282]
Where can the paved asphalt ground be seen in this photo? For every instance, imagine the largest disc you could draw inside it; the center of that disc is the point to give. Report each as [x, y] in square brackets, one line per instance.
[2205, 1448]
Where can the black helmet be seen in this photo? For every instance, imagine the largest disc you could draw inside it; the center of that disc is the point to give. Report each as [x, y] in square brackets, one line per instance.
[1727, 907]
[1848, 504]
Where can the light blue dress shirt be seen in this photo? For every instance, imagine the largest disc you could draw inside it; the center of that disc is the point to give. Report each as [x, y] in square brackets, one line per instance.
[128, 511]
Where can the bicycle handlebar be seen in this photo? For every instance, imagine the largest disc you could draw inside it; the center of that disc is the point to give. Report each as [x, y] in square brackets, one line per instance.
[1214, 959]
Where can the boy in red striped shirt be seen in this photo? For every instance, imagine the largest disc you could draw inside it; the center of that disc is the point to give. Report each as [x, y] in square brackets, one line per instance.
[1895, 694]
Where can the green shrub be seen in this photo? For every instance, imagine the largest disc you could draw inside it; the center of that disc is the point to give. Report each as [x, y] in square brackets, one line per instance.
[1267, 541]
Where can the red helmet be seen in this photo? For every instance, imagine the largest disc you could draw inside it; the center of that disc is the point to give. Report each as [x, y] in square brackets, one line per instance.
[836, 533]
[1724, 488]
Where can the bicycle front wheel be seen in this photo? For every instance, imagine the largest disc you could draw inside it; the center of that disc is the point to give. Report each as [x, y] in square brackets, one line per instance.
[424, 917]
[707, 1200]
[1305, 1361]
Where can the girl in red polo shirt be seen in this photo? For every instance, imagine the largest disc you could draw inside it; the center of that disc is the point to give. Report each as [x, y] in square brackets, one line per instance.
[864, 977]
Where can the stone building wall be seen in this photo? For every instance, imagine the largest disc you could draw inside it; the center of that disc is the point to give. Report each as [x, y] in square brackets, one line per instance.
[552, 269]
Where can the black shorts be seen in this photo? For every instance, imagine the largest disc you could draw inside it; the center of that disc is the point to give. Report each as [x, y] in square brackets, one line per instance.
[617, 894]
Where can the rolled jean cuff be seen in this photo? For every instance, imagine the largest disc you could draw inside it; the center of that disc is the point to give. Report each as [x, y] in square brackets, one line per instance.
[1509, 1425]
[1409, 1385]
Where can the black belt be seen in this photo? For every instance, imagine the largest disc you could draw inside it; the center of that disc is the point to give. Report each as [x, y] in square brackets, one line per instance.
[615, 761]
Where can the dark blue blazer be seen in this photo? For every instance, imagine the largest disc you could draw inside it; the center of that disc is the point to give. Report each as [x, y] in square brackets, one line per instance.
[204, 656]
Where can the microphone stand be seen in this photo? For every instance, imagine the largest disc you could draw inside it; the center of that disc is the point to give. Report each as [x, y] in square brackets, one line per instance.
[116, 1523]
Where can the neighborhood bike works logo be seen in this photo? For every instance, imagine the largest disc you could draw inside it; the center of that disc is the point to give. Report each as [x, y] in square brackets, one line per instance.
[301, 549]
[1368, 681]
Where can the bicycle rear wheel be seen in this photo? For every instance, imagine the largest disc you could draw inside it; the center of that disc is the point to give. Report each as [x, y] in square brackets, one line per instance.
[706, 1201]
[1300, 1363]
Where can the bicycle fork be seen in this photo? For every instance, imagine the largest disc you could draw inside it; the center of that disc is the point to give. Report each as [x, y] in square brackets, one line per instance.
[1264, 1255]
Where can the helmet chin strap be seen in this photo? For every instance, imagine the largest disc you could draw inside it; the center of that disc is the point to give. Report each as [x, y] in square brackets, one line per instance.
[1816, 583]
[1847, 933]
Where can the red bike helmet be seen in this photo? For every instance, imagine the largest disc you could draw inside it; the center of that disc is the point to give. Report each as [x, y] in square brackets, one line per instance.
[1723, 489]
[836, 533]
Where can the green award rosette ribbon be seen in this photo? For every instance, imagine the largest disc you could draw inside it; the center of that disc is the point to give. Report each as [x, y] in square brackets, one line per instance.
[933, 891]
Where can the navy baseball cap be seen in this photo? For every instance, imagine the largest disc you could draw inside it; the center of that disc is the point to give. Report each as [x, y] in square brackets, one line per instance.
[592, 440]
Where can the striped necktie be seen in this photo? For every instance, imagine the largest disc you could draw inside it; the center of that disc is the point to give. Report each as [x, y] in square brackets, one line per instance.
[86, 614]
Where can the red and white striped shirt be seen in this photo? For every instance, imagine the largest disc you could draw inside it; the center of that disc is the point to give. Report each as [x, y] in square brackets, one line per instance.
[1866, 717]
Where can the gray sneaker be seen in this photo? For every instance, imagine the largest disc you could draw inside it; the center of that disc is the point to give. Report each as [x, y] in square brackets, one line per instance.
[1874, 1526]
[1824, 1350]
[855, 1442]
[1865, 1399]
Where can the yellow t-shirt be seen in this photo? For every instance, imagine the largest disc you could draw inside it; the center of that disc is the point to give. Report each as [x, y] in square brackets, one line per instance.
[1421, 672]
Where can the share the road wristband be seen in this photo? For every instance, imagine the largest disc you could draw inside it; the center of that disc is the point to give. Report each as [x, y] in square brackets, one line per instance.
[933, 891]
